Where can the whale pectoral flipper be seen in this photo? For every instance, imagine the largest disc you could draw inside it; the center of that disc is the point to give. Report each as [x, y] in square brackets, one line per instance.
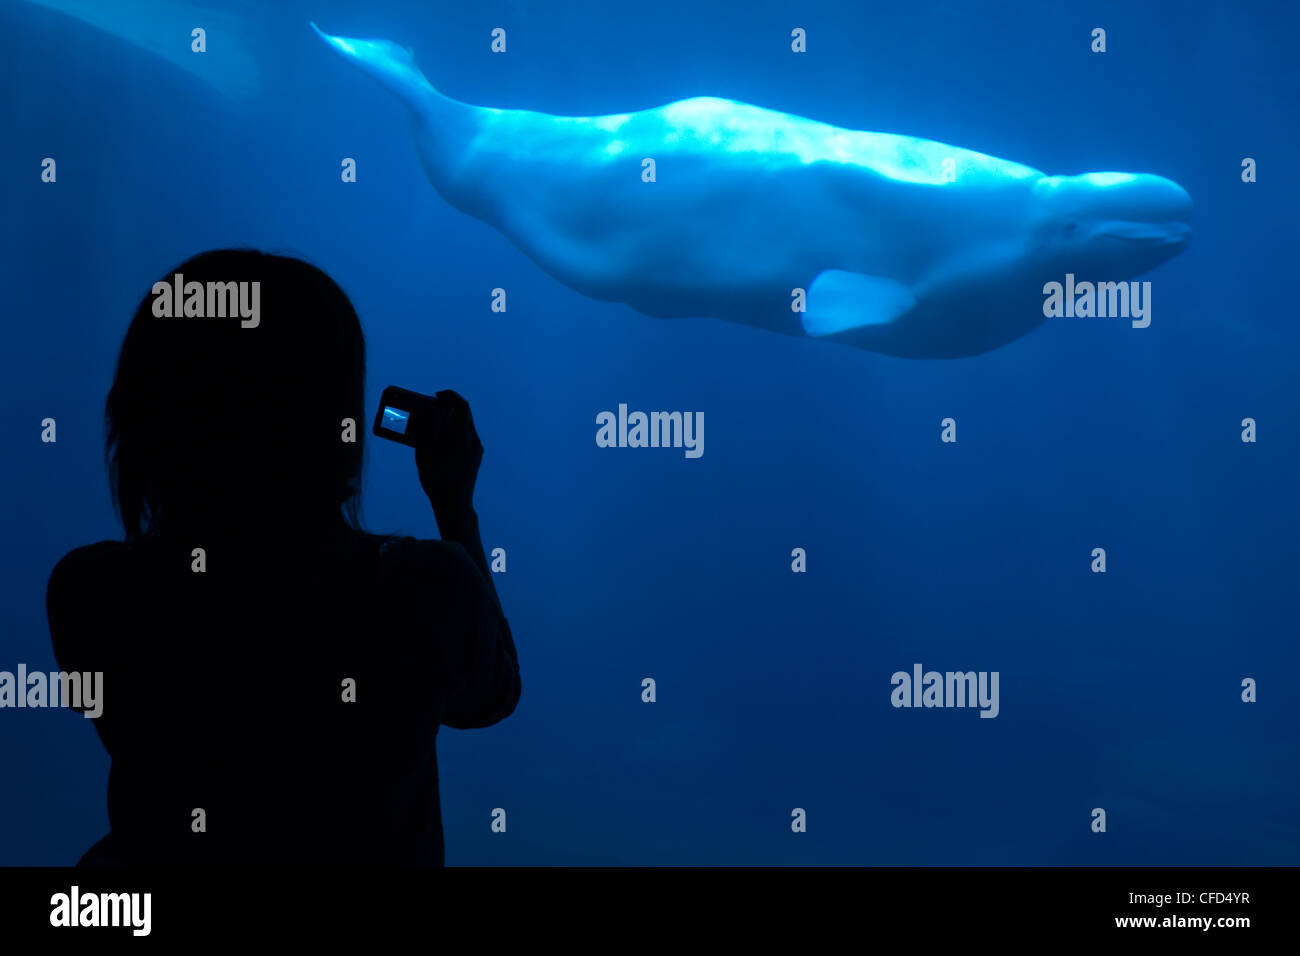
[839, 301]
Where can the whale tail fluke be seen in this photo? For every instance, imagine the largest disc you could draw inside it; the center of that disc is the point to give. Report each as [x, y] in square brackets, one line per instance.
[391, 64]
[442, 126]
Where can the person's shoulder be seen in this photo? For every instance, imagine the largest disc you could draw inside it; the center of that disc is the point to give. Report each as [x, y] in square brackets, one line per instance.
[425, 554]
[425, 568]
[89, 561]
[80, 578]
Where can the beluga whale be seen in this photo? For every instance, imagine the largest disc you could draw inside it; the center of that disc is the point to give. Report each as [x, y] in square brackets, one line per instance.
[890, 243]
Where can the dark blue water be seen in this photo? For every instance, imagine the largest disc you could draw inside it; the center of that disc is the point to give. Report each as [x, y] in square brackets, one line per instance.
[1118, 690]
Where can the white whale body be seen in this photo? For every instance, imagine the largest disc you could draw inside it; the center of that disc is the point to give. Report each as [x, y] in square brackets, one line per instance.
[904, 246]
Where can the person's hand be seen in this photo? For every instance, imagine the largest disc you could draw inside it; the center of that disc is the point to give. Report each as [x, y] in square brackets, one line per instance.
[448, 461]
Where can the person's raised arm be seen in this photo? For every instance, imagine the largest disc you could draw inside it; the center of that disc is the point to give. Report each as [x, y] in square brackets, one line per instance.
[448, 466]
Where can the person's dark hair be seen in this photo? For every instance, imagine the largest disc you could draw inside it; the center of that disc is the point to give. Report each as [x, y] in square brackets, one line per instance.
[212, 421]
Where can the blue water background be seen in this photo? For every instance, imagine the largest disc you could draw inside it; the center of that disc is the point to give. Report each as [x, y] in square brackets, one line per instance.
[1118, 690]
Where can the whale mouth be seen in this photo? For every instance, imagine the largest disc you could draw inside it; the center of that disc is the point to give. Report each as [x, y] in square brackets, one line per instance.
[1171, 233]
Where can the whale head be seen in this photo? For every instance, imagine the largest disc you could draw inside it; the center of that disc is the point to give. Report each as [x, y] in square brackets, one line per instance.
[1109, 225]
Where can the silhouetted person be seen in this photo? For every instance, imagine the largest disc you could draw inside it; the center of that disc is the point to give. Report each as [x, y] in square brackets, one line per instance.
[225, 689]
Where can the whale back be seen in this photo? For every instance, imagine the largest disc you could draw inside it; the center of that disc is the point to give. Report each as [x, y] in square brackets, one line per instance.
[731, 126]
[246, 39]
